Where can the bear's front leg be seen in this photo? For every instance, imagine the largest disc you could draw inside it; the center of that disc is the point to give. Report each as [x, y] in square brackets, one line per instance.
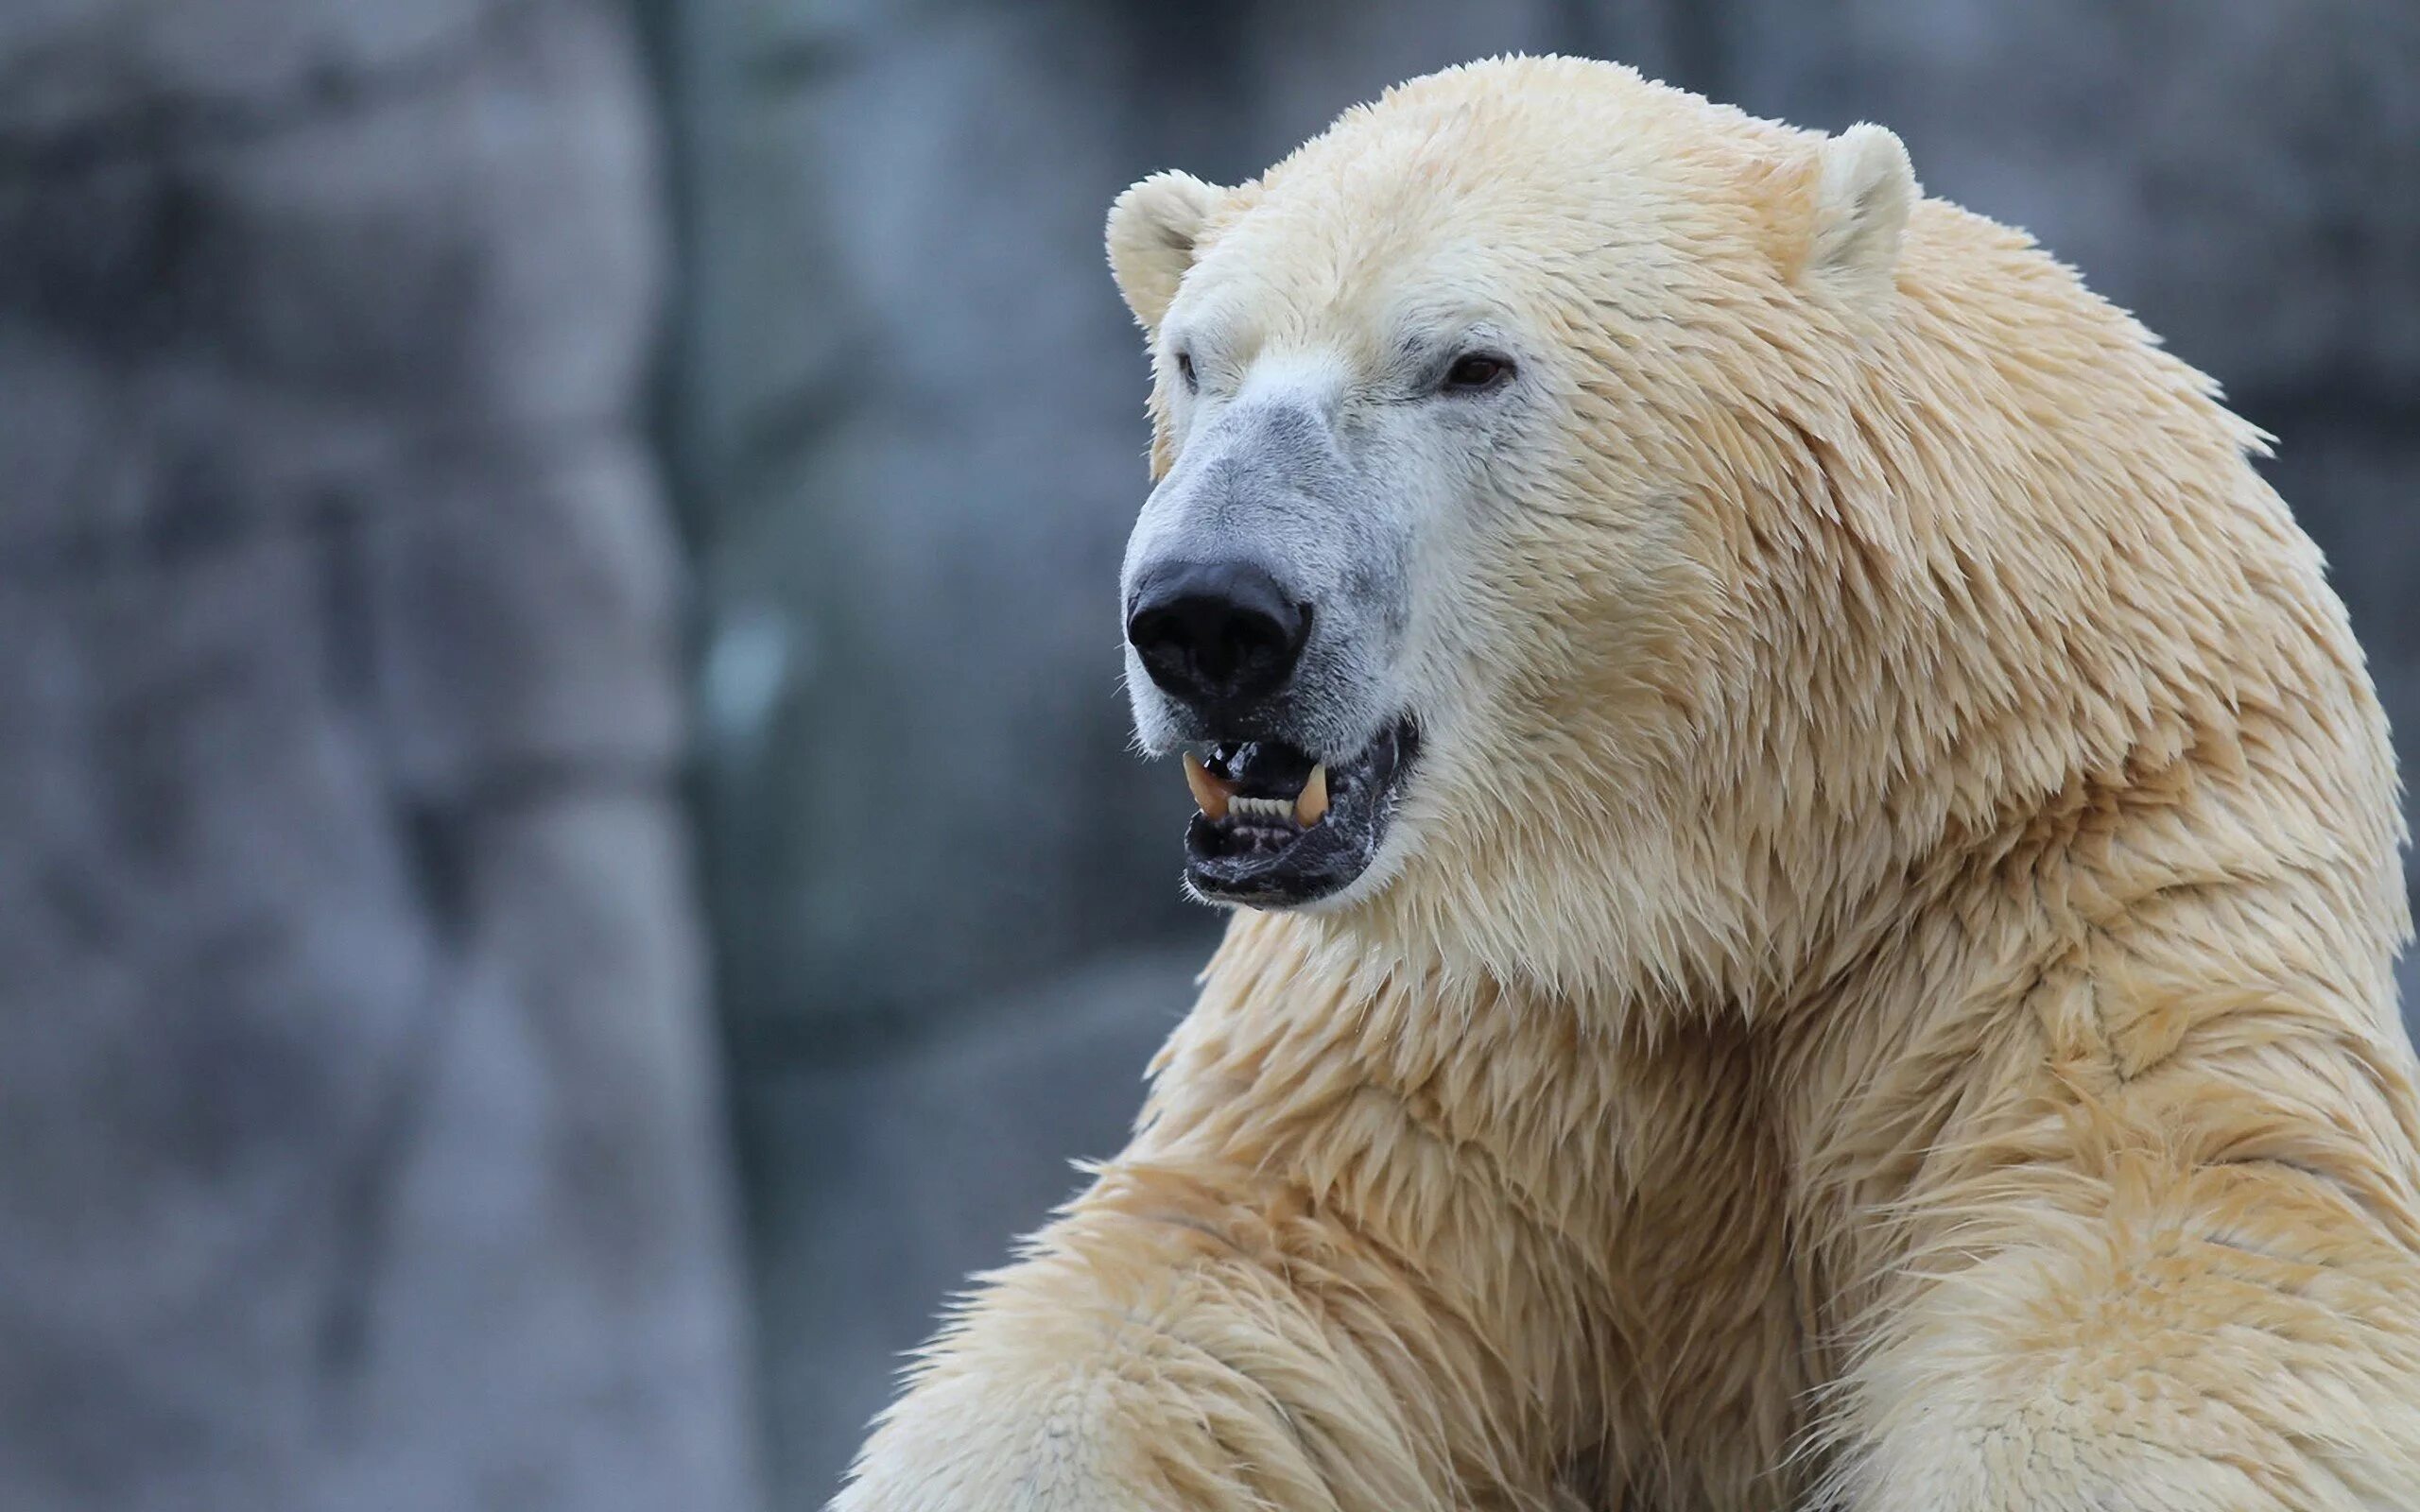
[2232, 1338]
[1175, 1342]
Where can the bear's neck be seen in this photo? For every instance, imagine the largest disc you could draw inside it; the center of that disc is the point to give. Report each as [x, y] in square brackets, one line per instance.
[1596, 1201]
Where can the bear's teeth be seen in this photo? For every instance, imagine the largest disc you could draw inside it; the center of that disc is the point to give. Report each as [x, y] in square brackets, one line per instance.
[1217, 797]
[1209, 793]
[1311, 802]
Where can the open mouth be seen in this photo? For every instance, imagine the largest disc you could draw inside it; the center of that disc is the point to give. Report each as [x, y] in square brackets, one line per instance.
[1278, 827]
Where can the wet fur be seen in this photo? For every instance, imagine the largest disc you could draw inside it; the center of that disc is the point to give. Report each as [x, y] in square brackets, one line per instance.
[1881, 998]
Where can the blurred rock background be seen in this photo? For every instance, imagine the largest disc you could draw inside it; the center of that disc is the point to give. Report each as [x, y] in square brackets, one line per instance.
[361, 1139]
[371, 603]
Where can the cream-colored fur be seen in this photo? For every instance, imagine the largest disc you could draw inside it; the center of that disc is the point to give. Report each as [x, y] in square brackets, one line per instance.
[1879, 996]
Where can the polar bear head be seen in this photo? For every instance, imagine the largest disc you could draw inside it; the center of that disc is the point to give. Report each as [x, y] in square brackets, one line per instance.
[1440, 590]
[1571, 502]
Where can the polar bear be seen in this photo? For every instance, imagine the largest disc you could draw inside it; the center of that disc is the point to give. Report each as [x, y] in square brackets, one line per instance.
[1817, 875]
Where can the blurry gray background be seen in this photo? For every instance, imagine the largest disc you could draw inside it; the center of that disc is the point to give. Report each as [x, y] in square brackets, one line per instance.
[567, 858]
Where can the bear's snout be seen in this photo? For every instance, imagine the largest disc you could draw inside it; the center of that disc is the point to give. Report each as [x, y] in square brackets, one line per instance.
[1220, 635]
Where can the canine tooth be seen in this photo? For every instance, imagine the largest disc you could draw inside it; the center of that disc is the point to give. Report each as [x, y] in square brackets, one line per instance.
[1209, 793]
[1311, 802]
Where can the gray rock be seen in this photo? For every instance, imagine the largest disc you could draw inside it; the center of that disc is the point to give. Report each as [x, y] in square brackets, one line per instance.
[518, 612]
[72, 68]
[192, 1053]
[528, 1319]
[458, 254]
[895, 1167]
[361, 1140]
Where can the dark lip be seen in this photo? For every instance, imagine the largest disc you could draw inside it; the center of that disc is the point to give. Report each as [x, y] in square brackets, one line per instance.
[1230, 862]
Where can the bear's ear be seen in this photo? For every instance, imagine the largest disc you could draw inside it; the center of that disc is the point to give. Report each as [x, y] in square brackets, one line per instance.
[1864, 188]
[1152, 231]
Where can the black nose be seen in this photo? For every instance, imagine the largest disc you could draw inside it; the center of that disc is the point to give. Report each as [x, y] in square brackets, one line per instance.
[1217, 634]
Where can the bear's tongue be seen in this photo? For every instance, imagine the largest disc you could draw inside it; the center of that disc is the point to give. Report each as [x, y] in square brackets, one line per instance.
[1258, 781]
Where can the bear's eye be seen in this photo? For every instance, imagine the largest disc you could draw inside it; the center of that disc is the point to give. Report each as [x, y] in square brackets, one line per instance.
[1185, 371]
[1476, 372]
